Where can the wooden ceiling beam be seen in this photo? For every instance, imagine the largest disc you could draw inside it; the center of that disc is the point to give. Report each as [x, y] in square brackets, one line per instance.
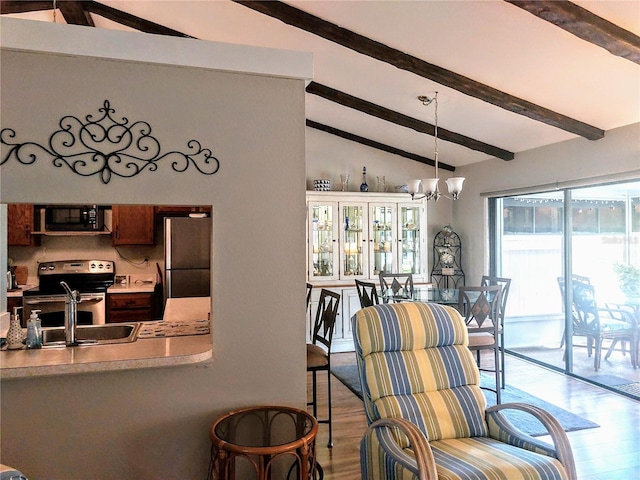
[392, 116]
[366, 46]
[585, 25]
[72, 9]
[74, 13]
[380, 146]
[24, 6]
[131, 21]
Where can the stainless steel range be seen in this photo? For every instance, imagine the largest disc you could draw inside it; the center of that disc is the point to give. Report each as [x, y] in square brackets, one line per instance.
[91, 278]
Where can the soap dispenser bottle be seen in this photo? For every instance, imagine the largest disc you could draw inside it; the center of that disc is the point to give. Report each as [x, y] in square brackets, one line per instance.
[34, 331]
[15, 335]
[38, 326]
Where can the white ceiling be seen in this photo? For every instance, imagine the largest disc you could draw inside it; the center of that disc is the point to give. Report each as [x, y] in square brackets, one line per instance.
[490, 41]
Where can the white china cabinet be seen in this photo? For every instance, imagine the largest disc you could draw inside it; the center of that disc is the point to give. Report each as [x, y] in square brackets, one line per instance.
[354, 235]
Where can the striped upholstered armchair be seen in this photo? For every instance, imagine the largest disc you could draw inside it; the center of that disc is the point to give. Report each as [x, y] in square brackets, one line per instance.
[419, 378]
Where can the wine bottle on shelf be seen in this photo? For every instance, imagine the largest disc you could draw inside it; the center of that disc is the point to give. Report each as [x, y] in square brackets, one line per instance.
[363, 186]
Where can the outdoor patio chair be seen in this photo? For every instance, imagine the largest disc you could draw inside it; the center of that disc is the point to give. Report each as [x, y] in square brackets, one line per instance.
[426, 415]
[600, 324]
[561, 284]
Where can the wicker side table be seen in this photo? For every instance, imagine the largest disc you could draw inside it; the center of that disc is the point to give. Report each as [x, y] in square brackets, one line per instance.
[266, 442]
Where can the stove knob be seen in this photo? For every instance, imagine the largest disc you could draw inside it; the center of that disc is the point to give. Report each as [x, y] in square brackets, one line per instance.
[100, 265]
[43, 267]
[108, 266]
[51, 267]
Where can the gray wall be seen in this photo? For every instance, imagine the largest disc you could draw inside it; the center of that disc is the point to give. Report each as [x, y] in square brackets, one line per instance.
[154, 423]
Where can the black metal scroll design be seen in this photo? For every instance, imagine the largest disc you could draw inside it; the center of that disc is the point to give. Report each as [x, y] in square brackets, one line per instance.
[106, 147]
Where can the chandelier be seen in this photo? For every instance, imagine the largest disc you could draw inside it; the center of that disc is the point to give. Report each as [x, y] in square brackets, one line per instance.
[430, 189]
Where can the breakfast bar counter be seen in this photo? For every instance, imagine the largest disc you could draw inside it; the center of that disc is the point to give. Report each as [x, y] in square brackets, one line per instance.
[144, 353]
[181, 338]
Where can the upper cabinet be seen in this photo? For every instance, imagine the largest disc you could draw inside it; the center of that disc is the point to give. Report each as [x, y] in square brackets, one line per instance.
[358, 236]
[20, 224]
[181, 210]
[133, 225]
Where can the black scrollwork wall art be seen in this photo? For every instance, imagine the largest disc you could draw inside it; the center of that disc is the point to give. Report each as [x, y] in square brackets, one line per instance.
[105, 146]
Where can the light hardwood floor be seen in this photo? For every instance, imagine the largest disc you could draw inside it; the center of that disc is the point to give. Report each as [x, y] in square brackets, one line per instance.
[610, 452]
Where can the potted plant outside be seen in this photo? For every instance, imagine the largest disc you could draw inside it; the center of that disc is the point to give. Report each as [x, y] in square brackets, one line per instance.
[629, 279]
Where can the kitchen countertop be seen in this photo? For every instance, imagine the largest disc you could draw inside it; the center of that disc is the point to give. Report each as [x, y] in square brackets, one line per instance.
[134, 283]
[182, 337]
[17, 292]
[132, 288]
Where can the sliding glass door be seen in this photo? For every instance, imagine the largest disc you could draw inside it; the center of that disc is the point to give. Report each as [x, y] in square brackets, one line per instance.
[531, 254]
[551, 243]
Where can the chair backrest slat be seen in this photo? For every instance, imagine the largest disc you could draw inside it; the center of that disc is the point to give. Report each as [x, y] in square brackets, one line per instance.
[478, 304]
[309, 289]
[367, 293]
[505, 283]
[394, 282]
[326, 318]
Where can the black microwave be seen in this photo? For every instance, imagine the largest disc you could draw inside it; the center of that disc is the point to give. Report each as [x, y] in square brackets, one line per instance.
[74, 218]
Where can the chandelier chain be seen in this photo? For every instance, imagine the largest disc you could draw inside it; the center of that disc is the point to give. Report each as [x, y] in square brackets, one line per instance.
[435, 134]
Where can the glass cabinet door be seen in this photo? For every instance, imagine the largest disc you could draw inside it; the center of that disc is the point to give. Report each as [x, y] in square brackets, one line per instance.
[382, 235]
[412, 247]
[323, 239]
[353, 222]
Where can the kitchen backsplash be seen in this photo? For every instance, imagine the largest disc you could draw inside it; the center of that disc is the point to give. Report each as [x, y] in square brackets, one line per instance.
[128, 259]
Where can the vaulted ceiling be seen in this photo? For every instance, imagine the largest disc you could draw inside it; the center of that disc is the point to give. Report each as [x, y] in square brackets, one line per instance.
[510, 75]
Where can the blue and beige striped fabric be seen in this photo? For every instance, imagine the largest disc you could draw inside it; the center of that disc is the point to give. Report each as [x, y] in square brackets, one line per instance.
[414, 363]
[417, 366]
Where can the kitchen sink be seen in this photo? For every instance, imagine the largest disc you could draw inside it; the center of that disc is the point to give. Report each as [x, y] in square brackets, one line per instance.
[93, 334]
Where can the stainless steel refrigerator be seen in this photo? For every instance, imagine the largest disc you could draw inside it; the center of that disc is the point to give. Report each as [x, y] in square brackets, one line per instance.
[187, 257]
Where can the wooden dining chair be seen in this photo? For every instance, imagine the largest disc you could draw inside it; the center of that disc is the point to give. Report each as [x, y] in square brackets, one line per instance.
[309, 289]
[367, 293]
[319, 350]
[396, 283]
[480, 309]
[506, 285]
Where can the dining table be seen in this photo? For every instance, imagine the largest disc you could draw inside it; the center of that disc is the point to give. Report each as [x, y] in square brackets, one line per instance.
[444, 296]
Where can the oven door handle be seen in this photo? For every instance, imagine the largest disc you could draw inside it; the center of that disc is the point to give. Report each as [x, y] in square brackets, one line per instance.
[42, 301]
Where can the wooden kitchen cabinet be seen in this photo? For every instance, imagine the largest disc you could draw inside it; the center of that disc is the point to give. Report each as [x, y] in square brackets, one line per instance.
[13, 302]
[20, 224]
[181, 210]
[133, 225]
[129, 307]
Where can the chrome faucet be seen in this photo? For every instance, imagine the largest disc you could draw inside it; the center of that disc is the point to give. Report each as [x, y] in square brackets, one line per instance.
[70, 315]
